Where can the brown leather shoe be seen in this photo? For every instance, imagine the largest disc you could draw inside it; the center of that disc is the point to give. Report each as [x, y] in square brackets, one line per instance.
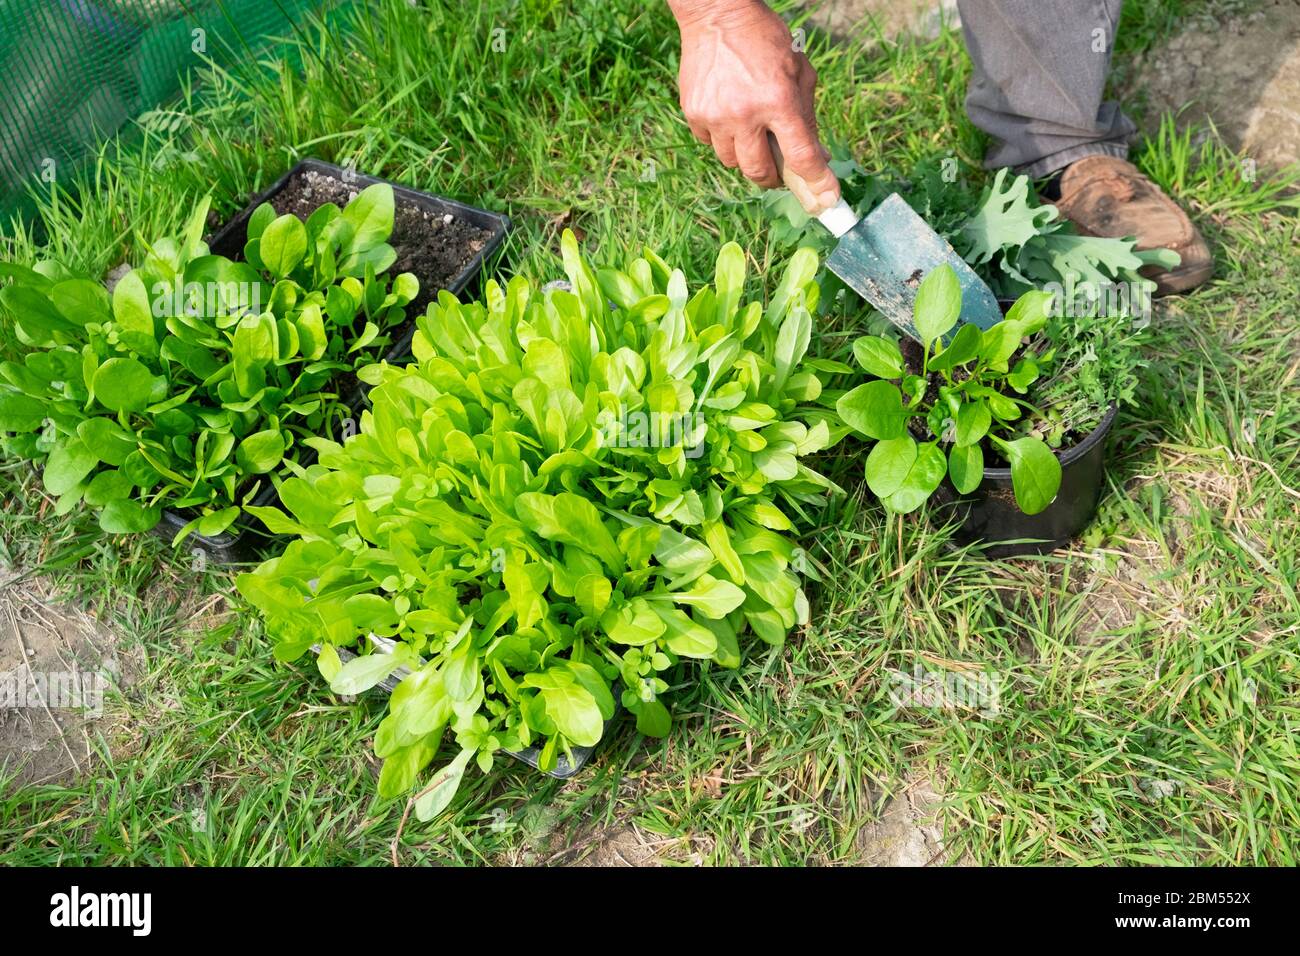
[1106, 196]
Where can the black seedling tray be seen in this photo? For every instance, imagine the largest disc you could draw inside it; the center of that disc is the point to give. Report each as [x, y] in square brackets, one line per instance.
[243, 544]
[564, 769]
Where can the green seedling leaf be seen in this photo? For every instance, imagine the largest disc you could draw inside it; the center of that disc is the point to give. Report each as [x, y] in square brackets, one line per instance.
[879, 356]
[938, 304]
[1035, 472]
[68, 465]
[123, 516]
[370, 218]
[964, 347]
[973, 421]
[437, 797]
[653, 719]
[261, 452]
[133, 313]
[124, 385]
[922, 479]
[283, 245]
[20, 413]
[966, 467]
[875, 409]
[889, 464]
[364, 672]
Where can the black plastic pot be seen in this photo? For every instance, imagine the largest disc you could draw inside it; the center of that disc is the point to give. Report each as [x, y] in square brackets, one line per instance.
[243, 543]
[989, 515]
[564, 769]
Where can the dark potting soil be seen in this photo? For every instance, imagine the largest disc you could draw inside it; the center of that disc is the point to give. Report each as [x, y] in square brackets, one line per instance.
[433, 247]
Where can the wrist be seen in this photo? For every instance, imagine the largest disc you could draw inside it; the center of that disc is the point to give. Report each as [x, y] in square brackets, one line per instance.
[697, 13]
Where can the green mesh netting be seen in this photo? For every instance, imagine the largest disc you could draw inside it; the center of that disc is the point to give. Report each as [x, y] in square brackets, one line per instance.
[75, 71]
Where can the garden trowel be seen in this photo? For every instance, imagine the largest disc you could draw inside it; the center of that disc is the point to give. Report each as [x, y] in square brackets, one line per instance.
[885, 256]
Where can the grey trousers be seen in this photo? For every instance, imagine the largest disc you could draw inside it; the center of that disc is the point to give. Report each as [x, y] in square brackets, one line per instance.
[1040, 71]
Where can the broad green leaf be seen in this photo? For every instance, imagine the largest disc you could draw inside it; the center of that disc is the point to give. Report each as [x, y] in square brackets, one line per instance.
[364, 672]
[875, 409]
[437, 796]
[370, 217]
[124, 516]
[123, 385]
[593, 594]
[328, 663]
[68, 465]
[1023, 375]
[973, 421]
[575, 712]
[683, 636]
[133, 313]
[964, 347]
[938, 304]
[1000, 342]
[888, 465]
[526, 583]
[283, 245]
[108, 485]
[402, 767]
[966, 467]
[371, 612]
[714, 598]
[922, 479]
[20, 413]
[216, 522]
[729, 283]
[81, 301]
[1031, 310]
[261, 452]
[262, 217]
[635, 623]
[1035, 472]
[653, 719]
[570, 519]
[878, 356]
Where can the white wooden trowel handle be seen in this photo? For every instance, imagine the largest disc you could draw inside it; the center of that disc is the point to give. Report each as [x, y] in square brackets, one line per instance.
[838, 217]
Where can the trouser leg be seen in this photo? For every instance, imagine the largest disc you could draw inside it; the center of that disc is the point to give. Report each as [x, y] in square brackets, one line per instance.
[1040, 70]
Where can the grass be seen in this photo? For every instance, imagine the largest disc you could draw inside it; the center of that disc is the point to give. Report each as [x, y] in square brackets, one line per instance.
[1147, 677]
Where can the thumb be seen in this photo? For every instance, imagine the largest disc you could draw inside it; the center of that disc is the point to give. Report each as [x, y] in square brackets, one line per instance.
[804, 167]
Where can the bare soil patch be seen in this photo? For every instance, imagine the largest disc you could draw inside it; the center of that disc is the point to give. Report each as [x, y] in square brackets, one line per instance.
[58, 667]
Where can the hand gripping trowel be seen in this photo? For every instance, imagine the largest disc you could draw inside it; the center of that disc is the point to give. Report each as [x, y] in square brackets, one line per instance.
[885, 256]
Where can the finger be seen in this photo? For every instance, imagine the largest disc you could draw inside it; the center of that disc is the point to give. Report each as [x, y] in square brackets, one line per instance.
[805, 156]
[725, 147]
[700, 131]
[755, 159]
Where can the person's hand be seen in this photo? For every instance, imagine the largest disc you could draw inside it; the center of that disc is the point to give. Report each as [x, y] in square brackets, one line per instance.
[741, 77]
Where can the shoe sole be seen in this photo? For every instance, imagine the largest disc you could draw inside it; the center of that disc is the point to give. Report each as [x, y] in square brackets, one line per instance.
[1178, 281]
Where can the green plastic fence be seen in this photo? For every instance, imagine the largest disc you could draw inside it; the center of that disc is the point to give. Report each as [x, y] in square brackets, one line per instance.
[75, 71]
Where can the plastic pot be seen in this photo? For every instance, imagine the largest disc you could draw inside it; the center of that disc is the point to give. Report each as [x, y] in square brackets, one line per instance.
[989, 515]
[243, 543]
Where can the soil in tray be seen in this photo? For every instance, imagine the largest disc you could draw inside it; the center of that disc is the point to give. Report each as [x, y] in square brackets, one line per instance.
[436, 247]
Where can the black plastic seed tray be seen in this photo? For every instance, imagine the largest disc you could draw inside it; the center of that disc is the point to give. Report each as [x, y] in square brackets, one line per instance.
[245, 542]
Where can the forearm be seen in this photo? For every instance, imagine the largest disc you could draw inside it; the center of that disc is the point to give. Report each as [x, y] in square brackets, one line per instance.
[691, 12]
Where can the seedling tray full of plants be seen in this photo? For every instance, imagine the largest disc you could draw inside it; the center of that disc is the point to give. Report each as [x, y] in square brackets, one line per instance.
[445, 244]
[212, 371]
